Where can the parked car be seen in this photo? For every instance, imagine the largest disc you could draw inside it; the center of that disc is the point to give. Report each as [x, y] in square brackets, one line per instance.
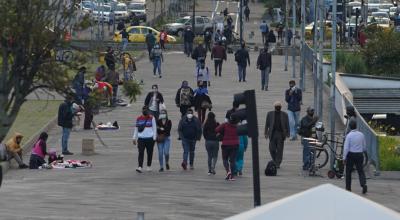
[327, 30]
[373, 5]
[392, 12]
[385, 7]
[137, 34]
[87, 7]
[103, 13]
[351, 25]
[138, 9]
[202, 24]
[121, 12]
[380, 14]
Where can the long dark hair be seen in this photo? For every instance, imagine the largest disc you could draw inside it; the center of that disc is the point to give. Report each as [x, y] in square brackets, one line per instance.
[210, 121]
[43, 136]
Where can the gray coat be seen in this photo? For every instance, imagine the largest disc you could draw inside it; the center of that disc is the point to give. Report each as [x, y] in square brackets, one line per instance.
[269, 124]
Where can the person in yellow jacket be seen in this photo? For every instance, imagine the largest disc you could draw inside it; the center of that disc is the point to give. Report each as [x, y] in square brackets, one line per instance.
[14, 149]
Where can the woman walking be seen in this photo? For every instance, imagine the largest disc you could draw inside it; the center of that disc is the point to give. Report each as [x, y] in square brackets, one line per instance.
[230, 144]
[163, 139]
[212, 144]
[243, 141]
[202, 101]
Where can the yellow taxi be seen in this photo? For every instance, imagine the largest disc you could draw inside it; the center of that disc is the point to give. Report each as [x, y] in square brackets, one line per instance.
[327, 30]
[137, 34]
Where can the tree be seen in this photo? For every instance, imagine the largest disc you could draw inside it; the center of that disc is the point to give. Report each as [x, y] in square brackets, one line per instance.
[382, 51]
[30, 32]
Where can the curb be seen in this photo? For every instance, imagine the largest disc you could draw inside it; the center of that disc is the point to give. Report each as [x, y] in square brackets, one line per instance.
[29, 144]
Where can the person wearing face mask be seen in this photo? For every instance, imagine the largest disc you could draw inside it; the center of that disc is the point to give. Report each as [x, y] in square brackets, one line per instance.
[306, 125]
[153, 100]
[293, 97]
[276, 129]
[189, 130]
[184, 98]
[230, 144]
[202, 74]
[202, 101]
[163, 139]
[145, 135]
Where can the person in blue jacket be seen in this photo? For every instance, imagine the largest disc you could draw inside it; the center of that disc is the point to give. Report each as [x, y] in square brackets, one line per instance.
[243, 142]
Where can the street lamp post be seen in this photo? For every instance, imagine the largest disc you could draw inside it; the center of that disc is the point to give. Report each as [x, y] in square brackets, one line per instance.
[194, 16]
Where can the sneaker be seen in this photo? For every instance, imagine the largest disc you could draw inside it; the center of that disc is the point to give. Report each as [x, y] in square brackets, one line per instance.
[191, 167]
[231, 178]
[240, 173]
[148, 169]
[167, 166]
[228, 176]
[184, 165]
[161, 170]
[67, 153]
[213, 172]
[139, 170]
[160, 76]
[209, 173]
[365, 189]
[155, 76]
[23, 166]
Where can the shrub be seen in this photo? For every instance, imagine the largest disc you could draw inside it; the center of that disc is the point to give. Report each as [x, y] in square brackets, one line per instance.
[350, 63]
[388, 153]
[132, 89]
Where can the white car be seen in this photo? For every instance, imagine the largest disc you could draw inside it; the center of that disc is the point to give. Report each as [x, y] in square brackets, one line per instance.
[385, 7]
[121, 12]
[392, 12]
[373, 5]
[103, 13]
[138, 9]
[380, 14]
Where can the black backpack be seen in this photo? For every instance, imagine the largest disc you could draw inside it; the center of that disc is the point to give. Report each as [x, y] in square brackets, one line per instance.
[270, 170]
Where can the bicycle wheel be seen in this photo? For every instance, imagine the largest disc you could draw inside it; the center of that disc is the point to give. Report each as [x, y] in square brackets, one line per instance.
[321, 157]
[67, 56]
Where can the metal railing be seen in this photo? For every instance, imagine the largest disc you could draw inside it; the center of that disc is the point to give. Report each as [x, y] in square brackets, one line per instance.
[371, 138]
[309, 55]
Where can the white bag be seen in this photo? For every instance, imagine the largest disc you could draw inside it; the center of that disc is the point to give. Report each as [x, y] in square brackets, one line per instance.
[162, 107]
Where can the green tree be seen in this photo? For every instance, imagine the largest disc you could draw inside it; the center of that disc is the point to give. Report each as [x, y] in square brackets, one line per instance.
[382, 52]
[30, 31]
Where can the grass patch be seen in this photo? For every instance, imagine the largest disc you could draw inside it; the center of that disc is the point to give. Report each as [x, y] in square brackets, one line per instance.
[34, 114]
[389, 153]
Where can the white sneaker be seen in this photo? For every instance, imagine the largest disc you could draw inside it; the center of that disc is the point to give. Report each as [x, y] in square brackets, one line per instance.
[139, 170]
[155, 76]
[148, 169]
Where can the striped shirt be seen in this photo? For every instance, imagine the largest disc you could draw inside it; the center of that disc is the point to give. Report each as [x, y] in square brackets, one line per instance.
[150, 130]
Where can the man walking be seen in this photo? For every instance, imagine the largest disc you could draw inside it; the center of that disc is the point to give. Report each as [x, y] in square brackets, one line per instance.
[264, 64]
[157, 58]
[199, 54]
[65, 116]
[218, 54]
[184, 98]
[189, 130]
[78, 83]
[188, 38]
[293, 97]
[354, 146]
[271, 40]
[150, 41]
[247, 13]
[153, 100]
[202, 74]
[276, 129]
[125, 37]
[264, 31]
[306, 125]
[242, 58]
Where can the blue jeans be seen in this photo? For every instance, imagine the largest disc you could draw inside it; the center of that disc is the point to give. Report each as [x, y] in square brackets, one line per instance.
[306, 154]
[157, 66]
[242, 73]
[293, 123]
[124, 43]
[188, 150]
[265, 78]
[64, 139]
[188, 48]
[163, 150]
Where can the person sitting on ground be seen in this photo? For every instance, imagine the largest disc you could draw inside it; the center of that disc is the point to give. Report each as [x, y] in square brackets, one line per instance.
[39, 152]
[14, 149]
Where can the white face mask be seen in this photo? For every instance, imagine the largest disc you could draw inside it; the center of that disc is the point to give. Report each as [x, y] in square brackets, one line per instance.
[189, 116]
[163, 116]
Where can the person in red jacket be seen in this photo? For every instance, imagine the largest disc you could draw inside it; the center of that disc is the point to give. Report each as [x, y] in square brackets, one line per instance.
[230, 144]
[218, 54]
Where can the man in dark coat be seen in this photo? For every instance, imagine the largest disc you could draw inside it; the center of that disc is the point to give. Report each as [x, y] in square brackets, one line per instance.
[264, 63]
[188, 38]
[199, 54]
[150, 41]
[276, 129]
[242, 58]
[65, 116]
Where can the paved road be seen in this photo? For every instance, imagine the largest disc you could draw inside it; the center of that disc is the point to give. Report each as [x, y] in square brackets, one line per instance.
[113, 190]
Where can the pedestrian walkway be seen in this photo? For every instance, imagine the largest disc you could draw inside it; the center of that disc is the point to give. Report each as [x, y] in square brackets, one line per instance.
[113, 190]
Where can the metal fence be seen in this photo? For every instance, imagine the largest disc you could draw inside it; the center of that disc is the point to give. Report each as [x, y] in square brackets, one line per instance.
[371, 138]
[309, 55]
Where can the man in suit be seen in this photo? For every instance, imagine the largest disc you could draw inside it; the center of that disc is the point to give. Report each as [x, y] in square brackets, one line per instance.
[276, 129]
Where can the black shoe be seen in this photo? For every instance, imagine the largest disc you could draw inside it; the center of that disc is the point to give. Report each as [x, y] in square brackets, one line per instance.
[365, 189]
[161, 170]
[67, 153]
[167, 166]
[23, 166]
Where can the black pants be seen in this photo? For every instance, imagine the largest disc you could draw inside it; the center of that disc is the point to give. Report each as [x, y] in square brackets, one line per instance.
[148, 144]
[276, 147]
[88, 116]
[35, 161]
[162, 43]
[183, 109]
[149, 48]
[351, 160]
[218, 67]
[229, 154]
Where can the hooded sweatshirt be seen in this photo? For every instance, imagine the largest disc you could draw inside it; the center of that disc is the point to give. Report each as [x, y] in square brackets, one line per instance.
[12, 144]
